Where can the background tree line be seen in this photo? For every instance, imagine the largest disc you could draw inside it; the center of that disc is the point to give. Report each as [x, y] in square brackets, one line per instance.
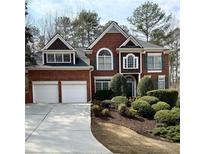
[148, 20]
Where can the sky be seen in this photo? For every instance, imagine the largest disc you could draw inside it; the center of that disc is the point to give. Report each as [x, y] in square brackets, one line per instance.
[117, 10]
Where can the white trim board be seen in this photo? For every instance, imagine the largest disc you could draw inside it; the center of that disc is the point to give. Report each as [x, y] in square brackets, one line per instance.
[114, 24]
[131, 38]
[61, 68]
[57, 36]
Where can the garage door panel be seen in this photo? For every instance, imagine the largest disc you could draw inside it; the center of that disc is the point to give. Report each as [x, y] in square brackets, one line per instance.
[45, 93]
[74, 93]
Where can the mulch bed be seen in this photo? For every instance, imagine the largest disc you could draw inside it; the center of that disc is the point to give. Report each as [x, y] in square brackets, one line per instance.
[140, 125]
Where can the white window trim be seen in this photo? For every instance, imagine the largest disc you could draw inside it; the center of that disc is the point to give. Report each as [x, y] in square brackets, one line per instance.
[109, 56]
[47, 61]
[135, 62]
[162, 77]
[154, 70]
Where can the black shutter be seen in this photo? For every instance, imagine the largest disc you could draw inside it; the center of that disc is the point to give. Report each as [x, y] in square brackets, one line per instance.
[94, 63]
[163, 61]
[145, 62]
[155, 83]
[167, 82]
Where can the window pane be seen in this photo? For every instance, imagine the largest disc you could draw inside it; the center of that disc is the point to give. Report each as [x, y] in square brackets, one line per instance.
[150, 62]
[100, 59]
[50, 57]
[98, 86]
[130, 62]
[108, 66]
[66, 57]
[105, 86]
[158, 62]
[59, 58]
[161, 82]
[107, 59]
[100, 66]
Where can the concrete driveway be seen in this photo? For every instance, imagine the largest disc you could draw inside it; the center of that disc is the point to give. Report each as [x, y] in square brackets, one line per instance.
[60, 128]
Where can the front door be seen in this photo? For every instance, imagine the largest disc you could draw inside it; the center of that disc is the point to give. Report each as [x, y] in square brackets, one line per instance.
[130, 87]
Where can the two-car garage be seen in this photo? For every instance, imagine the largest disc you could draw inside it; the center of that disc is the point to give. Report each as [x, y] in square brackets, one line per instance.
[64, 91]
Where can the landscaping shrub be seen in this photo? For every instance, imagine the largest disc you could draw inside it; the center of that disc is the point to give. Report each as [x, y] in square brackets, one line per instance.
[119, 100]
[166, 95]
[105, 112]
[150, 99]
[96, 110]
[118, 85]
[160, 106]
[168, 117]
[144, 85]
[103, 94]
[122, 109]
[143, 108]
[106, 103]
[131, 113]
[171, 132]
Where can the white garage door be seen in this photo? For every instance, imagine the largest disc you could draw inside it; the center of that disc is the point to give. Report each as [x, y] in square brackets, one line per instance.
[45, 92]
[74, 91]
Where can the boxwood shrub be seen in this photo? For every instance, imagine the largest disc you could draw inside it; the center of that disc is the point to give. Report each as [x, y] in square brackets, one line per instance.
[143, 108]
[144, 85]
[168, 117]
[103, 94]
[160, 106]
[166, 95]
[119, 100]
[150, 99]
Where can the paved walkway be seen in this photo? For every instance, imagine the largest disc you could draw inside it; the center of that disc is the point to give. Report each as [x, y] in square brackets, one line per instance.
[60, 128]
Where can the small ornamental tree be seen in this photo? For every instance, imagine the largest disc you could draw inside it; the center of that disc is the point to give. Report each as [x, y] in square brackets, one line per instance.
[118, 85]
[144, 86]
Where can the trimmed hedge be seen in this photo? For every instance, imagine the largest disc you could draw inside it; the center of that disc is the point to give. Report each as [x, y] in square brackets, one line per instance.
[144, 85]
[143, 108]
[168, 117]
[150, 99]
[119, 100]
[103, 94]
[166, 95]
[160, 106]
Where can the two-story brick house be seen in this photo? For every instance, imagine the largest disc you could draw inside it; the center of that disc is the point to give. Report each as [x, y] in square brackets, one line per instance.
[65, 77]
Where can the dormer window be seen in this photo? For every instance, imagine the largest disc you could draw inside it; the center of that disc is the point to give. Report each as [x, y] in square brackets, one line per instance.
[130, 62]
[58, 57]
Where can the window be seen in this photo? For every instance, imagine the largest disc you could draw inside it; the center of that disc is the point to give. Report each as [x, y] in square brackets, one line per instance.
[58, 57]
[50, 57]
[161, 82]
[130, 62]
[154, 61]
[66, 57]
[104, 59]
[102, 85]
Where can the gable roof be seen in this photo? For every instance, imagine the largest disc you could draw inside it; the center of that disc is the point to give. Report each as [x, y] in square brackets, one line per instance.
[133, 40]
[110, 27]
[57, 36]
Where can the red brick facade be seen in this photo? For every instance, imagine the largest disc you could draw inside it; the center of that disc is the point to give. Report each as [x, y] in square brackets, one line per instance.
[110, 41]
[57, 75]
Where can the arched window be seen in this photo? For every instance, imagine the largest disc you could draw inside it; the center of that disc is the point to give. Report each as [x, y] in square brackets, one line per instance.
[104, 59]
[130, 62]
